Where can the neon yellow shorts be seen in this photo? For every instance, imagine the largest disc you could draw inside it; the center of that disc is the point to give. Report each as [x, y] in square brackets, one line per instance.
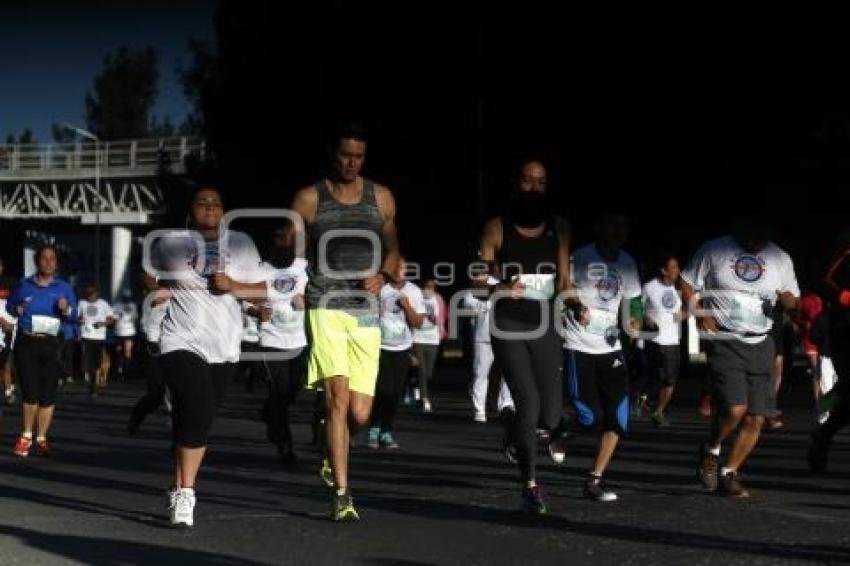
[342, 344]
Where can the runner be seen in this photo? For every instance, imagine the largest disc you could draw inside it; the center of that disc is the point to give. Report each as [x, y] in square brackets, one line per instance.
[402, 309]
[126, 317]
[42, 303]
[207, 272]
[95, 316]
[529, 253]
[740, 279]
[153, 312]
[664, 315]
[482, 365]
[8, 330]
[345, 339]
[606, 280]
[427, 338]
[283, 343]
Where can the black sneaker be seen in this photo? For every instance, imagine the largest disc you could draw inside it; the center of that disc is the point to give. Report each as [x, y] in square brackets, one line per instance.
[532, 501]
[342, 508]
[731, 486]
[594, 488]
[558, 446]
[660, 420]
[708, 469]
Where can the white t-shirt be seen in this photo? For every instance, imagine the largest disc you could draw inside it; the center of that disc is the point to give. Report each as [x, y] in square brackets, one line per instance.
[90, 314]
[395, 333]
[11, 320]
[663, 306]
[126, 315]
[196, 320]
[250, 325]
[481, 306]
[152, 321]
[429, 333]
[740, 288]
[602, 286]
[285, 287]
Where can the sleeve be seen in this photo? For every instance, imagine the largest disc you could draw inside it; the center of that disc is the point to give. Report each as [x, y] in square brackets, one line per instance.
[699, 268]
[789, 278]
[247, 264]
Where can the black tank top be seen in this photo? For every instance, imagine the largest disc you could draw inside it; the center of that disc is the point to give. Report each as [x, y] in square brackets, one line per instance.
[526, 256]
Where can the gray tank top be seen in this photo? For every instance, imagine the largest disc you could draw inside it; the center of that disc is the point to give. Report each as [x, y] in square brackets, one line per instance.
[343, 253]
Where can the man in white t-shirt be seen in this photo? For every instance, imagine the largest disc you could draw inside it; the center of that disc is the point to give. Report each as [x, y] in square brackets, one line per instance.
[283, 344]
[738, 281]
[663, 317]
[8, 328]
[605, 279]
[401, 309]
[95, 316]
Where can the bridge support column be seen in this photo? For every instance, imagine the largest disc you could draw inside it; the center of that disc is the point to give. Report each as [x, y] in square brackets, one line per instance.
[122, 244]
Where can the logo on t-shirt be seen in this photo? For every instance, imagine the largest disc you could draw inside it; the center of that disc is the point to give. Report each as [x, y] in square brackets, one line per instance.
[748, 268]
[284, 284]
[91, 311]
[668, 299]
[609, 285]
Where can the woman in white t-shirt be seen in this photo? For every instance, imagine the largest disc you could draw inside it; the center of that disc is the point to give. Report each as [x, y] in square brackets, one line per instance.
[95, 317]
[401, 310]
[207, 273]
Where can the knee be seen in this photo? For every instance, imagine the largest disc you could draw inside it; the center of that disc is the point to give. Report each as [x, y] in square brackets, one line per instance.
[360, 416]
[753, 422]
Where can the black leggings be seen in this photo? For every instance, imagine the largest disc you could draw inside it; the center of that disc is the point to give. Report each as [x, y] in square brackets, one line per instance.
[38, 367]
[392, 374]
[197, 389]
[286, 379]
[92, 355]
[534, 374]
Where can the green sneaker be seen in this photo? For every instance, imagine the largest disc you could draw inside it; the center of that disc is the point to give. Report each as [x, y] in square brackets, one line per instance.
[326, 473]
[342, 508]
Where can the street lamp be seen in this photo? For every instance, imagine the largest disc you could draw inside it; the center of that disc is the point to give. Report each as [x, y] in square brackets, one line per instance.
[86, 134]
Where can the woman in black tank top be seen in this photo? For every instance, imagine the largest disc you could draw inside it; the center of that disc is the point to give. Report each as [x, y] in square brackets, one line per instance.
[529, 254]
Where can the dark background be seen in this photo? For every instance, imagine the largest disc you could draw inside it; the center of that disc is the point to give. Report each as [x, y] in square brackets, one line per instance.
[686, 120]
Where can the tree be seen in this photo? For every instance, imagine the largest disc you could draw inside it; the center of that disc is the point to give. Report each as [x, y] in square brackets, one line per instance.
[62, 134]
[119, 107]
[199, 80]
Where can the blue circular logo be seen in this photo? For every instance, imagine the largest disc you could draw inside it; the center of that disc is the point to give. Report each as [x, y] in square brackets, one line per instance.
[668, 299]
[609, 286]
[284, 284]
[748, 268]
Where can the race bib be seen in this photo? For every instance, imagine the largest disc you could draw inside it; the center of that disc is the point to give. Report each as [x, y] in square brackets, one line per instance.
[284, 317]
[394, 332]
[538, 287]
[369, 320]
[748, 310]
[601, 322]
[45, 325]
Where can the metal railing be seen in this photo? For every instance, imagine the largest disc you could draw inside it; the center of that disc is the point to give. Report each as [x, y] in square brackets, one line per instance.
[127, 156]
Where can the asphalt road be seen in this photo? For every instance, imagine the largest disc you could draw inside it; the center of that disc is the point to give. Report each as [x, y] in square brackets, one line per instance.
[446, 497]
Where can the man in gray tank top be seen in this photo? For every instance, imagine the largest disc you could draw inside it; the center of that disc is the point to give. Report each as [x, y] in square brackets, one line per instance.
[351, 245]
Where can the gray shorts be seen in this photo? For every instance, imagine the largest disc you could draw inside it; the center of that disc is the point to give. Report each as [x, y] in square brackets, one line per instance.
[741, 374]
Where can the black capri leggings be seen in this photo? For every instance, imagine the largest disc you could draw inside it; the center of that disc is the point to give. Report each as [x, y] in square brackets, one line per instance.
[534, 374]
[38, 367]
[197, 389]
[393, 368]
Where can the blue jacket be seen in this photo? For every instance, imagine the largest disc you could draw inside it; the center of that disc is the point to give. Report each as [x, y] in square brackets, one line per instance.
[41, 301]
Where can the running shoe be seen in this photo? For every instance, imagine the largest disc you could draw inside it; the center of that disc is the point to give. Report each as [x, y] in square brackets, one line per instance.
[342, 508]
[42, 448]
[372, 438]
[386, 440]
[183, 511]
[22, 447]
[532, 501]
[326, 473]
[594, 488]
[708, 469]
[731, 486]
[660, 420]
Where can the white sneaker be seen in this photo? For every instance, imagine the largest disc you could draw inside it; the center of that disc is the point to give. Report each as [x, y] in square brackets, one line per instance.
[481, 417]
[183, 511]
[426, 406]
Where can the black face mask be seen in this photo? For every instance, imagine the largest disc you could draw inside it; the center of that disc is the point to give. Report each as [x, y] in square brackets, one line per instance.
[528, 209]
